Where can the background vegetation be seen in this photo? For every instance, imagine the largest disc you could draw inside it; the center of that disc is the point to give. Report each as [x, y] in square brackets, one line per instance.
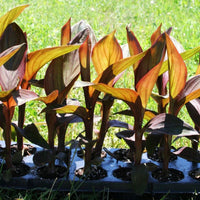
[42, 22]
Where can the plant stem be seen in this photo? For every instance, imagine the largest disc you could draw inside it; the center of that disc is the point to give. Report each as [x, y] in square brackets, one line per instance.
[107, 104]
[7, 114]
[21, 118]
[51, 124]
[138, 140]
[138, 147]
[166, 152]
[61, 138]
[89, 132]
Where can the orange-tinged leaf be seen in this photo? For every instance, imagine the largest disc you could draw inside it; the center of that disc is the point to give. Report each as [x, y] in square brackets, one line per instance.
[4, 95]
[145, 85]
[118, 67]
[119, 93]
[177, 69]
[133, 44]
[73, 109]
[84, 55]
[193, 95]
[190, 92]
[113, 70]
[6, 57]
[49, 98]
[39, 58]
[66, 33]
[106, 52]
[161, 100]
[156, 34]
[185, 55]
[153, 56]
[148, 115]
[10, 16]
[198, 70]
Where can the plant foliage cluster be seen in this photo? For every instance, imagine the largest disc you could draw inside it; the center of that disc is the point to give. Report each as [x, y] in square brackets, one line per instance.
[70, 67]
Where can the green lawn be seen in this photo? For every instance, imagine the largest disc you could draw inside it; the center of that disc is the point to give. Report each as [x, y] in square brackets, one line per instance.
[42, 22]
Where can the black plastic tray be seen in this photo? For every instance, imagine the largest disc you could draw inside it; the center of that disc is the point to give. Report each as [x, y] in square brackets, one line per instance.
[32, 181]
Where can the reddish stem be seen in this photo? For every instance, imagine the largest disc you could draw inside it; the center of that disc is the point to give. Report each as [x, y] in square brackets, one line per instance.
[61, 138]
[21, 118]
[51, 124]
[89, 132]
[107, 104]
[166, 152]
[7, 114]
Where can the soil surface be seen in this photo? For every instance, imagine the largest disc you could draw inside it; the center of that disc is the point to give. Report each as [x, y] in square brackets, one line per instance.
[28, 150]
[123, 155]
[172, 175]
[156, 156]
[123, 173]
[18, 170]
[80, 154]
[195, 174]
[45, 172]
[95, 173]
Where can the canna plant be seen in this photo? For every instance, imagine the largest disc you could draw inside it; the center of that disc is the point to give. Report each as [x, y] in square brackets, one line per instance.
[149, 66]
[60, 76]
[18, 71]
[180, 93]
[106, 57]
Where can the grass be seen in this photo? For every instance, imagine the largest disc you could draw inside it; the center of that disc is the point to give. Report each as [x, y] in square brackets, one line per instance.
[42, 22]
